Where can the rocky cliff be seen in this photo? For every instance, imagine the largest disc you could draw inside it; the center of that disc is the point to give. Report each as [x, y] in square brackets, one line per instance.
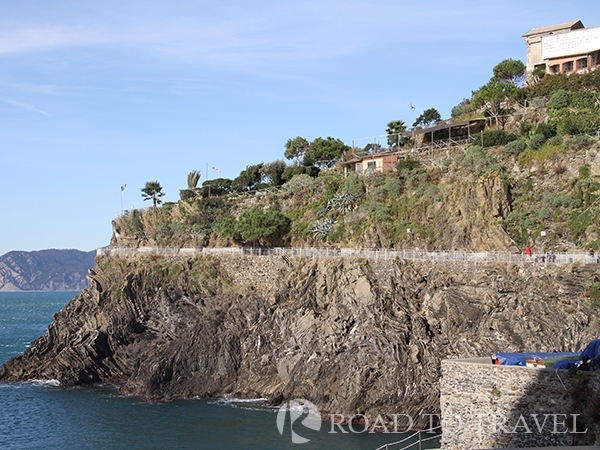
[351, 335]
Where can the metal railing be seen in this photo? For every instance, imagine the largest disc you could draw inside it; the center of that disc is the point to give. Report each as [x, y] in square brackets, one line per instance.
[414, 445]
[457, 256]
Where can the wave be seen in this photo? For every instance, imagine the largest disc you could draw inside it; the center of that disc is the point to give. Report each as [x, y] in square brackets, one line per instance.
[251, 404]
[52, 382]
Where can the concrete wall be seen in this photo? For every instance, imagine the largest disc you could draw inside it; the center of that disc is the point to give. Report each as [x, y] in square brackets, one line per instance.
[490, 406]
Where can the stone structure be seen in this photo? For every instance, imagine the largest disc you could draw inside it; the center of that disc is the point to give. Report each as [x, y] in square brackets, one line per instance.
[563, 48]
[490, 406]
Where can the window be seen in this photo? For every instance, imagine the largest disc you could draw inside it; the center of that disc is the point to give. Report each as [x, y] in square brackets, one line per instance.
[555, 68]
[595, 59]
[568, 67]
[582, 63]
[371, 166]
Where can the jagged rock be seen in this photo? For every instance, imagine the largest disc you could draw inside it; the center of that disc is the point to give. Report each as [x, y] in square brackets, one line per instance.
[350, 335]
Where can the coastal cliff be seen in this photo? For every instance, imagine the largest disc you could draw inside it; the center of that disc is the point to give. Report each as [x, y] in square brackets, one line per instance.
[349, 334]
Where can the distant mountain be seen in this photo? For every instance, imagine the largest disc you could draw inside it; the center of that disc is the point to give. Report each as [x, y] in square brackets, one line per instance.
[45, 270]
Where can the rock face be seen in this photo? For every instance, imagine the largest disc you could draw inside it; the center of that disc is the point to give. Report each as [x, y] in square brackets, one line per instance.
[45, 270]
[350, 335]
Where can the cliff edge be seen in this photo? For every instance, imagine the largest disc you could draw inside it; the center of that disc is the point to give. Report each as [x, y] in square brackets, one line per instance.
[349, 334]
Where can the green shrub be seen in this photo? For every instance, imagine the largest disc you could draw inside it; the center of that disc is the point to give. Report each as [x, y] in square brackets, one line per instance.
[354, 186]
[525, 127]
[579, 223]
[555, 141]
[560, 99]
[464, 107]
[264, 227]
[225, 226]
[426, 190]
[536, 141]
[580, 142]
[476, 161]
[515, 147]
[569, 122]
[163, 233]
[547, 129]
[584, 100]
[495, 138]
[584, 171]
[292, 171]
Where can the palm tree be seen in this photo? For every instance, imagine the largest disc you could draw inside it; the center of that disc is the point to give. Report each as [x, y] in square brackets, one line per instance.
[394, 132]
[192, 179]
[153, 190]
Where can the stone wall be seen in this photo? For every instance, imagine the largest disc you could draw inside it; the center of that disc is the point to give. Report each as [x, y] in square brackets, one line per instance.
[490, 406]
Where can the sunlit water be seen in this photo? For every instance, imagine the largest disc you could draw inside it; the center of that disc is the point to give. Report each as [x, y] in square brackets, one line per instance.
[43, 415]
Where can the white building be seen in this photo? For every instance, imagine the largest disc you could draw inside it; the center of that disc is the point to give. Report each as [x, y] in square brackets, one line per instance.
[563, 48]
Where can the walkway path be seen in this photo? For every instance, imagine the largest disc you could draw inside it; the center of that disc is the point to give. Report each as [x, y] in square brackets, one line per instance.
[310, 252]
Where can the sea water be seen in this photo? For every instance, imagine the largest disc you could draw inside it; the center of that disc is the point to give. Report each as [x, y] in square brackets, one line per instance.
[41, 414]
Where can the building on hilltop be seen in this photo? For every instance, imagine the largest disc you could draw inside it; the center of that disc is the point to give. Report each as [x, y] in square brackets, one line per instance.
[443, 135]
[566, 48]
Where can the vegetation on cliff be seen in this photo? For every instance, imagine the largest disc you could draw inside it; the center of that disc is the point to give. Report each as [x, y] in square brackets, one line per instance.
[534, 181]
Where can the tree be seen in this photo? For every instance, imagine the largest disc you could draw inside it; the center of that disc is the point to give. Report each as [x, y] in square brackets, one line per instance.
[248, 178]
[216, 187]
[290, 172]
[372, 148]
[192, 181]
[296, 148]
[324, 152]
[263, 227]
[394, 132]
[153, 190]
[464, 107]
[272, 172]
[193, 178]
[428, 117]
[496, 97]
[510, 71]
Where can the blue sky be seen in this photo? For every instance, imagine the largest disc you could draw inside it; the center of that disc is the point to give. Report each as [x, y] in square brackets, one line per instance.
[95, 95]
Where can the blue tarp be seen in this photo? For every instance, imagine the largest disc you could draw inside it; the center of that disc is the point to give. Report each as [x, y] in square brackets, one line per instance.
[518, 359]
[556, 360]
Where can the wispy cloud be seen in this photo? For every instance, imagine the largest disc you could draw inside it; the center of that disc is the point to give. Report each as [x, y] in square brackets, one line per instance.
[25, 106]
[238, 33]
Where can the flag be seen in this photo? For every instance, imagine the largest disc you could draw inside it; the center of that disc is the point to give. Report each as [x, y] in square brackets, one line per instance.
[123, 187]
[411, 106]
[214, 168]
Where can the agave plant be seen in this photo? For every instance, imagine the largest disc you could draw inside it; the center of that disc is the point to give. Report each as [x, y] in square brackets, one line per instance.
[342, 201]
[322, 228]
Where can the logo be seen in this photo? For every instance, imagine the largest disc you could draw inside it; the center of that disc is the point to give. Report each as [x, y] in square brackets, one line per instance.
[299, 409]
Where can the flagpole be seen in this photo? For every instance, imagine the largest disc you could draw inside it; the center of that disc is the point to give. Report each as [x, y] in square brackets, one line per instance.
[122, 189]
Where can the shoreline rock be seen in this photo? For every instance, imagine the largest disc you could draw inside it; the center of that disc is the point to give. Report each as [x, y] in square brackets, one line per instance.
[350, 335]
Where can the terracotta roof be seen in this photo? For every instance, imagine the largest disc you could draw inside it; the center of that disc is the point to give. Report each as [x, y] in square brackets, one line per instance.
[574, 24]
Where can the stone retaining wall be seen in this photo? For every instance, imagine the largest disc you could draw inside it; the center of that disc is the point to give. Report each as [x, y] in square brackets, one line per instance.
[490, 406]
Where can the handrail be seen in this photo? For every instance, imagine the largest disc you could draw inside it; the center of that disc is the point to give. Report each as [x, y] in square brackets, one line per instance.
[456, 256]
[419, 442]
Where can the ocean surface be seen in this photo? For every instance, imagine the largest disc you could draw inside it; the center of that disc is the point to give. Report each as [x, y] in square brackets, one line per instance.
[43, 415]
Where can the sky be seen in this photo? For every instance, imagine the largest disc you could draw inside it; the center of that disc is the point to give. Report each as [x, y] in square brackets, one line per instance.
[99, 95]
